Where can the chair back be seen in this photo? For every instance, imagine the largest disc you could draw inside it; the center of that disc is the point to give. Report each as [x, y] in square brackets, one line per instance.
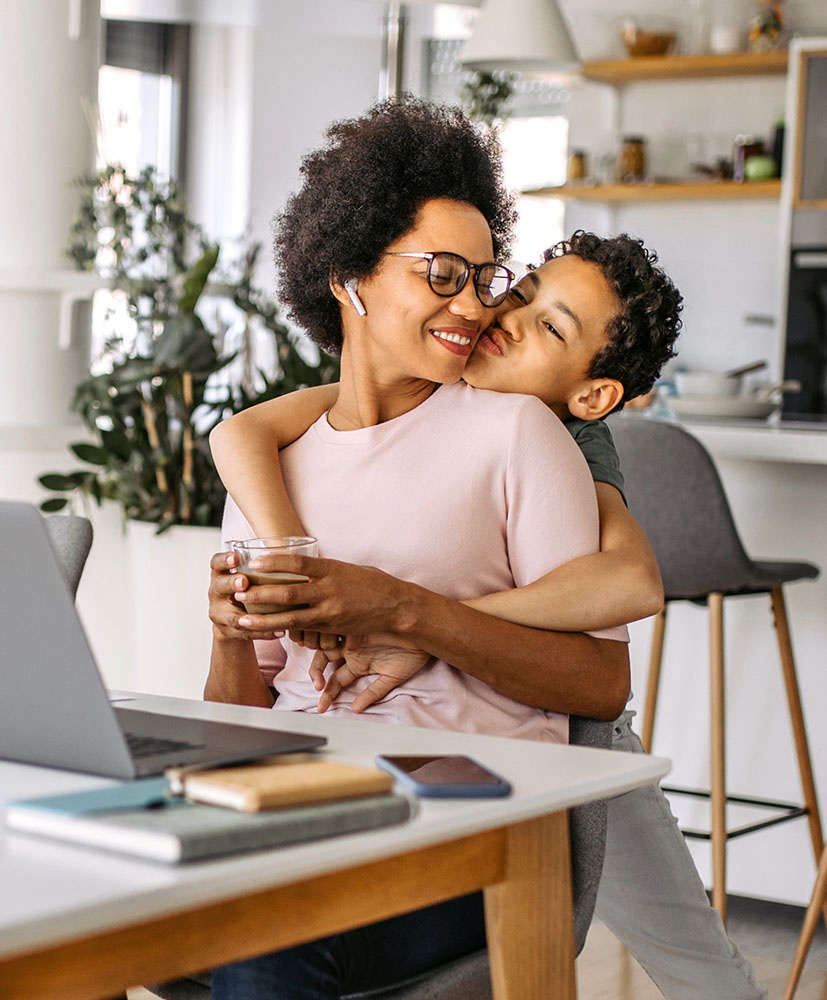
[71, 538]
[675, 493]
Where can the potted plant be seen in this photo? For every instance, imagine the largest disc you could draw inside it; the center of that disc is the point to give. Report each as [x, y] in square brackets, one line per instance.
[192, 340]
[166, 379]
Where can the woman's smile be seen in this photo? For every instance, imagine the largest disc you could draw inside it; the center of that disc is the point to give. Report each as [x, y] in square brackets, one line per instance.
[456, 339]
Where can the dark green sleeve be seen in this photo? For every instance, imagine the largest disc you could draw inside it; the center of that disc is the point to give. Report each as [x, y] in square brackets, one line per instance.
[595, 441]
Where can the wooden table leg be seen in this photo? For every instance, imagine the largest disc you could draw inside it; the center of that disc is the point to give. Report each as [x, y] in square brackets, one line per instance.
[528, 915]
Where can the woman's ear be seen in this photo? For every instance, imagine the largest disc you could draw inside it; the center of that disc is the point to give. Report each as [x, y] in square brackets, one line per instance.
[347, 293]
[595, 398]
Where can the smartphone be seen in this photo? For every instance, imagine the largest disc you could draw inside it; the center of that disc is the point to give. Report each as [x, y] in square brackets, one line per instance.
[444, 777]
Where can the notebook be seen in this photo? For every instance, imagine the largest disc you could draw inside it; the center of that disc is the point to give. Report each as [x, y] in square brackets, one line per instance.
[289, 780]
[54, 709]
[139, 819]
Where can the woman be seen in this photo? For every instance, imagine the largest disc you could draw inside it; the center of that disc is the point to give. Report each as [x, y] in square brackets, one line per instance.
[463, 451]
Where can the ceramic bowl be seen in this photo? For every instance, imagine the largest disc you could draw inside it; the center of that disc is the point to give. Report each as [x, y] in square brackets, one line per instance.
[706, 384]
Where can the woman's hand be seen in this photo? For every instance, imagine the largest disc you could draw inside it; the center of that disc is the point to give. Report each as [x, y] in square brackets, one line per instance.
[392, 659]
[224, 609]
[338, 597]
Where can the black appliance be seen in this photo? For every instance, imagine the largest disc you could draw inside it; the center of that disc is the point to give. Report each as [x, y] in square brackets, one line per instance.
[806, 350]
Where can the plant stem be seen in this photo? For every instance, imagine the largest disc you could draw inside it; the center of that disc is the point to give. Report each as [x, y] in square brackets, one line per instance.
[155, 443]
[186, 474]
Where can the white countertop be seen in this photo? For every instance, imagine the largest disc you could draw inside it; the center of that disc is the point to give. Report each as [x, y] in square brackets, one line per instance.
[762, 440]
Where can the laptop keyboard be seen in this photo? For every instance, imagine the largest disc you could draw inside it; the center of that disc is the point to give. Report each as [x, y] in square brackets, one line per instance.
[149, 746]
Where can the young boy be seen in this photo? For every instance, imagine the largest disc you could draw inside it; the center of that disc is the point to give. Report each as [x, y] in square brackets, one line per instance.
[589, 329]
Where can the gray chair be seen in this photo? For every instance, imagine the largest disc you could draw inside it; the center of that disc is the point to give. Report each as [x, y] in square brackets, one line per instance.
[468, 978]
[674, 491]
[71, 538]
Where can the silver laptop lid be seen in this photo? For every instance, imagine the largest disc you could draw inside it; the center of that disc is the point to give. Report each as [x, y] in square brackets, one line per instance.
[54, 709]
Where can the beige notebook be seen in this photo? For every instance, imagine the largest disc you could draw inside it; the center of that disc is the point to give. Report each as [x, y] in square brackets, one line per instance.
[278, 782]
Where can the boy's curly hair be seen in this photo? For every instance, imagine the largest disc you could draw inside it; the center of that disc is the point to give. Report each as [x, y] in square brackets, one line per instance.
[641, 336]
[362, 190]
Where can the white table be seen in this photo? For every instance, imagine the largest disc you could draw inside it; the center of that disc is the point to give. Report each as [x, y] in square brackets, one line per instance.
[79, 923]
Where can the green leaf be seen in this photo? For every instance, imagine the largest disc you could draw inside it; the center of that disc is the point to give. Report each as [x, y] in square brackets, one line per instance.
[90, 453]
[117, 443]
[53, 505]
[60, 482]
[196, 279]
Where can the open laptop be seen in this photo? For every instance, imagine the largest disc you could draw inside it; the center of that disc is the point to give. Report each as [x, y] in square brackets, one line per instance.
[54, 709]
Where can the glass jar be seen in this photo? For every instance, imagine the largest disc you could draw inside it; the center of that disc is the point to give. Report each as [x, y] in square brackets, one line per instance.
[631, 165]
[577, 169]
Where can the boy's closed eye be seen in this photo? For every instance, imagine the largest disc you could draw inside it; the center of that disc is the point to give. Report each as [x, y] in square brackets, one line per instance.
[553, 329]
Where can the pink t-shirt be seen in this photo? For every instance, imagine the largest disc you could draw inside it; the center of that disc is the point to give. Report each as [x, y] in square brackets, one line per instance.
[469, 493]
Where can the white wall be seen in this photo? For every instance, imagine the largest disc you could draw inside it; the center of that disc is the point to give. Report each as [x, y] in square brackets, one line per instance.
[314, 62]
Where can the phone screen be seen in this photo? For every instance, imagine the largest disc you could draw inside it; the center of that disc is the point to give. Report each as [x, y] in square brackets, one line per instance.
[442, 770]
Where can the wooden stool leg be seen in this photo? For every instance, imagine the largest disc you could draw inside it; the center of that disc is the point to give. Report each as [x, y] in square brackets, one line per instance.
[808, 928]
[653, 680]
[717, 783]
[805, 767]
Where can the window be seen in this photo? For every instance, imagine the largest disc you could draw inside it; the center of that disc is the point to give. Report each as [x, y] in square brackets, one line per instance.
[534, 139]
[142, 96]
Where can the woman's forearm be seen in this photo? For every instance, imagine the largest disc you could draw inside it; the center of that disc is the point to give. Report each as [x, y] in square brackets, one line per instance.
[234, 675]
[557, 671]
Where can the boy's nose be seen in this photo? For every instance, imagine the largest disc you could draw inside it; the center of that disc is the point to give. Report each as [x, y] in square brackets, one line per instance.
[507, 324]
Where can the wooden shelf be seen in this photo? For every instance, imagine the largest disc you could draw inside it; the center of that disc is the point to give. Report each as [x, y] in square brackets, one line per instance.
[665, 191]
[680, 67]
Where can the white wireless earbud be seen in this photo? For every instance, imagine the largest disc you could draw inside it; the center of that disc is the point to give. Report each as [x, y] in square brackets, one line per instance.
[350, 287]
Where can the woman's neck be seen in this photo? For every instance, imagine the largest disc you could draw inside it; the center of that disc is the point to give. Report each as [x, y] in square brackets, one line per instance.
[366, 398]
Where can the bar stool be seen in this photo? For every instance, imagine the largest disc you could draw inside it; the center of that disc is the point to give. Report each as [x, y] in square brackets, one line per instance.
[674, 491]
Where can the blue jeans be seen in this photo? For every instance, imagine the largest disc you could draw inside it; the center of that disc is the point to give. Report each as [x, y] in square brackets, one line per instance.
[372, 957]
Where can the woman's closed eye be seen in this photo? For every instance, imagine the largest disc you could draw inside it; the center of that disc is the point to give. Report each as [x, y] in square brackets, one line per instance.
[553, 329]
[515, 292]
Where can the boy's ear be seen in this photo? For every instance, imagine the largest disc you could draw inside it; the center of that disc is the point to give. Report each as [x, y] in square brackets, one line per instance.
[595, 398]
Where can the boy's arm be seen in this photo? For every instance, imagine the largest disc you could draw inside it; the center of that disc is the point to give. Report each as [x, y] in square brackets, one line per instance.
[617, 585]
[245, 450]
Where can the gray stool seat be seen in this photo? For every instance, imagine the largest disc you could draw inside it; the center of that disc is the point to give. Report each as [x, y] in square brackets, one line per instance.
[469, 978]
[675, 493]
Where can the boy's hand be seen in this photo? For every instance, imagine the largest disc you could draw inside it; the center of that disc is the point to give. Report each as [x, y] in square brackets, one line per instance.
[329, 641]
[392, 659]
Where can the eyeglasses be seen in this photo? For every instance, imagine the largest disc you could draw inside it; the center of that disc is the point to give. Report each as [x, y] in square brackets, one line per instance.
[448, 274]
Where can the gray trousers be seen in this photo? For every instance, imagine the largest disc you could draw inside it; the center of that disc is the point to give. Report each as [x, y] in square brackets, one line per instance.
[652, 899]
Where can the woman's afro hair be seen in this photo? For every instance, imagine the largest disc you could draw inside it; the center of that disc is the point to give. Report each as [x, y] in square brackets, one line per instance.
[640, 338]
[362, 190]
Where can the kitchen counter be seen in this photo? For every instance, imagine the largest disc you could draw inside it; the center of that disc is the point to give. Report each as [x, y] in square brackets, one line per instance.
[764, 440]
[770, 440]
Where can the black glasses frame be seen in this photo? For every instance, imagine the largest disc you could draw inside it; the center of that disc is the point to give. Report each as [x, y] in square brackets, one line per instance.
[431, 257]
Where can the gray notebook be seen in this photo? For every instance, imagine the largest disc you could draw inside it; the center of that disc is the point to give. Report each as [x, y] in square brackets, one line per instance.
[174, 830]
